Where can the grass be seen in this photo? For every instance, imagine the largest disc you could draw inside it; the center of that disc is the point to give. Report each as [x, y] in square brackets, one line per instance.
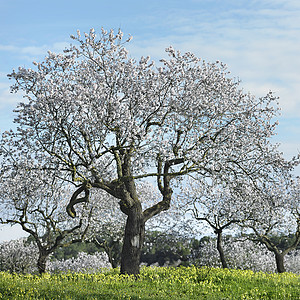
[153, 283]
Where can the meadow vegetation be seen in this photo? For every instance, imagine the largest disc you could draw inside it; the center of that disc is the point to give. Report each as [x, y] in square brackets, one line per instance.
[153, 283]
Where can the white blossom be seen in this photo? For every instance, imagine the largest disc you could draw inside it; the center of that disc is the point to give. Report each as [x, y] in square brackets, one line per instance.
[106, 121]
[83, 263]
[18, 256]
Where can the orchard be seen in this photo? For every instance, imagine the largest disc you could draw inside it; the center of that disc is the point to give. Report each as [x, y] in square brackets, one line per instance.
[95, 119]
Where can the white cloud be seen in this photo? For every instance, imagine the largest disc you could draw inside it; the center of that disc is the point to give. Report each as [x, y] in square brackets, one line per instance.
[260, 44]
[3, 85]
[8, 103]
[290, 149]
[33, 51]
[8, 48]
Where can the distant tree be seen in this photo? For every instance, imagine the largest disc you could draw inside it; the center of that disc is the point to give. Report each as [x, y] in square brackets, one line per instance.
[108, 121]
[109, 239]
[240, 254]
[217, 205]
[35, 199]
[275, 218]
[72, 250]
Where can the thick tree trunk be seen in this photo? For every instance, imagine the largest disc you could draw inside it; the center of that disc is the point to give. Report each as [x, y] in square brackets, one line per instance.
[220, 249]
[41, 263]
[279, 262]
[133, 241]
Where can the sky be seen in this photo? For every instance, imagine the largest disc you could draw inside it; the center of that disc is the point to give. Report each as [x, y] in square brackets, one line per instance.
[259, 40]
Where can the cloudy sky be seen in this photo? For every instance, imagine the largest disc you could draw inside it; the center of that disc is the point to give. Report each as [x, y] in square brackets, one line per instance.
[259, 40]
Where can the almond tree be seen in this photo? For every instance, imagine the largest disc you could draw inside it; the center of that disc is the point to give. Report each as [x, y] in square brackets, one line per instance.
[35, 199]
[108, 120]
[241, 254]
[275, 212]
[218, 205]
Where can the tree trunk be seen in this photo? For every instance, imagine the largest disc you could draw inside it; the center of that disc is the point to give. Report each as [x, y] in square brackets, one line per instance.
[113, 260]
[111, 257]
[109, 253]
[220, 249]
[41, 263]
[279, 262]
[133, 241]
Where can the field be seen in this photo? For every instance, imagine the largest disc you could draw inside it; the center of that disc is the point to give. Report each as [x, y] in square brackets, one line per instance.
[153, 283]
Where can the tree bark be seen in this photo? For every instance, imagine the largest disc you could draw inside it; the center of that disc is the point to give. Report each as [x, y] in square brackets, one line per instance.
[41, 263]
[220, 249]
[133, 241]
[113, 260]
[109, 252]
[279, 257]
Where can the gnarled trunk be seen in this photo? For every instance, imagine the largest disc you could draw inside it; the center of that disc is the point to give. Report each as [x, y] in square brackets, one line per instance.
[133, 241]
[42, 260]
[220, 249]
[279, 262]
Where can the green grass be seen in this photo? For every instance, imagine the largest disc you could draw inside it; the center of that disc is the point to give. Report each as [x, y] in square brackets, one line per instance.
[153, 283]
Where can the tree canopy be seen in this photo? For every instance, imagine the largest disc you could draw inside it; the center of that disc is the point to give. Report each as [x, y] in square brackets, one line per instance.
[106, 121]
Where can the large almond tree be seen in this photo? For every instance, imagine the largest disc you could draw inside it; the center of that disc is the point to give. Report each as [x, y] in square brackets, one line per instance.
[108, 120]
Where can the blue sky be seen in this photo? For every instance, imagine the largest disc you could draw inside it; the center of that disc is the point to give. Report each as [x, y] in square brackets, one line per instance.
[258, 40]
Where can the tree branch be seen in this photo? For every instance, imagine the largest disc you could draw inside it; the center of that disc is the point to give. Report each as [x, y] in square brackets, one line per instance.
[74, 200]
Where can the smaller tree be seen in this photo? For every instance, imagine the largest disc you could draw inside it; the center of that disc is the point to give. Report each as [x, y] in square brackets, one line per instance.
[107, 226]
[292, 261]
[109, 238]
[217, 205]
[35, 199]
[240, 254]
[276, 213]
